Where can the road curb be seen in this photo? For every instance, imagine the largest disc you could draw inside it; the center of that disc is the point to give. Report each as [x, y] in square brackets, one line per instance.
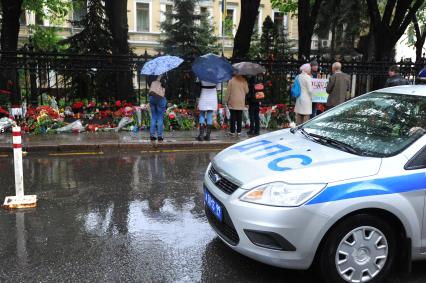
[142, 146]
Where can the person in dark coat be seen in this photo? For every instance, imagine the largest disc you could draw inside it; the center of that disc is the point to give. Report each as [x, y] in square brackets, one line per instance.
[254, 108]
[395, 78]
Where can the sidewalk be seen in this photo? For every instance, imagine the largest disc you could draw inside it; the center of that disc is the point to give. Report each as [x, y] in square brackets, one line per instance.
[114, 141]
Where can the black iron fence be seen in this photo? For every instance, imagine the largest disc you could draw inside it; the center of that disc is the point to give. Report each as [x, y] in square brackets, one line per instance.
[29, 76]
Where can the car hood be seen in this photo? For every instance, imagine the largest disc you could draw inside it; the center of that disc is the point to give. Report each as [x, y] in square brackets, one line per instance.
[288, 157]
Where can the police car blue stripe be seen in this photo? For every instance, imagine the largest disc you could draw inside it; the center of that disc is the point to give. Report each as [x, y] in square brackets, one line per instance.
[391, 185]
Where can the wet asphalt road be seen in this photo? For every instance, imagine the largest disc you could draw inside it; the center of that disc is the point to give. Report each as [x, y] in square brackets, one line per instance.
[119, 217]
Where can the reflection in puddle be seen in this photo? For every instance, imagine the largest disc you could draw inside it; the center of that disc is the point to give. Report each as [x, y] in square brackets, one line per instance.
[142, 214]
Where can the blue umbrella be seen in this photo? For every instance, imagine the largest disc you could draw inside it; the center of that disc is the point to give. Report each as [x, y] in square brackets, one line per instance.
[212, 68]
[160, 65]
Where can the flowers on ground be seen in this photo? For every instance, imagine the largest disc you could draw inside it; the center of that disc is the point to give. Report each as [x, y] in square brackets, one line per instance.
[106, 116]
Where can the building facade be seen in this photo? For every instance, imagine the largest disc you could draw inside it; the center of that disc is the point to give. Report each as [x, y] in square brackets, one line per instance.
[145, 16]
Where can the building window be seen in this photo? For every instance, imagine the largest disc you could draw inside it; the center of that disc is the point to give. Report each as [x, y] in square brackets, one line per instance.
[23, 19]
[39, 20]
[203, 10]
[279, 19]
[169, 9]
[142, 17]
[228, 28]
[79, 10]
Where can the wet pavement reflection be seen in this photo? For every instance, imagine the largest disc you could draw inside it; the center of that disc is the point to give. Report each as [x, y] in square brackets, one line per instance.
[123, 217]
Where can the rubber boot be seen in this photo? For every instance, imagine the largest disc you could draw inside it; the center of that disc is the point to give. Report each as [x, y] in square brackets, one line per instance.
[201, 134]
[209, 131]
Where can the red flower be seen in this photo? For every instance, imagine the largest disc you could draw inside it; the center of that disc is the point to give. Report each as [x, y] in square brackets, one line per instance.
[118, 104]
[172, 116]
[77, 105]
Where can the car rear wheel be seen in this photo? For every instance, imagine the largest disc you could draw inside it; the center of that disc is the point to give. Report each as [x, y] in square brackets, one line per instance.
[359, 249]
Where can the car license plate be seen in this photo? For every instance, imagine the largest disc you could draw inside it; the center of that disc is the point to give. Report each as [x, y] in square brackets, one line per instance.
[212, 204]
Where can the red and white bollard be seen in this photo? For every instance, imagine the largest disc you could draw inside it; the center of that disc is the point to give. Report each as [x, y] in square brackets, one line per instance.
[20, 200]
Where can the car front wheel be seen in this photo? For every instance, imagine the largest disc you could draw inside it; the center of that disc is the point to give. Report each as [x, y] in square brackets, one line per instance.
[361, 248]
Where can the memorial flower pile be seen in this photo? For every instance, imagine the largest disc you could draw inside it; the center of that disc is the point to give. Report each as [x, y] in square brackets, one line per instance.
[92, 116]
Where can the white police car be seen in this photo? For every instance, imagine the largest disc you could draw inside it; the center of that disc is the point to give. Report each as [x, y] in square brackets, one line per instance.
[346, 191]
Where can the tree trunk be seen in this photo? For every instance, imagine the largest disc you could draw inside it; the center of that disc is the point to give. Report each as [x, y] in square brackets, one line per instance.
[11, 11]
[306, 24]
[387, 30]
[420, 39]
[249, 12]
[116, 12]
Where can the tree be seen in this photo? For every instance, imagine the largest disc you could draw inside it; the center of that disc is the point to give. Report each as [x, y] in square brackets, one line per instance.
[116, 12]
[345, 20]
[417, 32]
[387, 28]
[11, 12]
[249, 12]
[185, 34]
[254, 50]
[95, 38]
[307, 11]
[46, 39]
[207, 41]
[283, 46]
[267, 40]
[181, 30]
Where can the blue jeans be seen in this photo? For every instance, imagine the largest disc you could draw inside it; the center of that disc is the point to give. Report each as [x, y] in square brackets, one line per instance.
[209, 117]
[158, 107]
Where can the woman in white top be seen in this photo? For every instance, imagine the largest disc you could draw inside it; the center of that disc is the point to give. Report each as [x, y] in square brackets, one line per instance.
[303, 107]
[207, 104]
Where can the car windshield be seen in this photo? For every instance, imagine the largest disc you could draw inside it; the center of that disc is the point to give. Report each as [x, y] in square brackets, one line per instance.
[377, 124]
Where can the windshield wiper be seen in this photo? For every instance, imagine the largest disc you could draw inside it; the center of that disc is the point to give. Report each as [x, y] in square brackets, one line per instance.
[327, 141]
[335, 143]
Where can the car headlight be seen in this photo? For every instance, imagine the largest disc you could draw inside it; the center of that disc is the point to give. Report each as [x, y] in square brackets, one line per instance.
[282, 194]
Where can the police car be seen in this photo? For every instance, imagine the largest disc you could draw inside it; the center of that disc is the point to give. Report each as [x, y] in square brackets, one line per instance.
[345, 192]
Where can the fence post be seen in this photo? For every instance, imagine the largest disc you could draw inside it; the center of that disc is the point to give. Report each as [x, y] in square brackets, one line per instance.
[20, 200]
[353, 85]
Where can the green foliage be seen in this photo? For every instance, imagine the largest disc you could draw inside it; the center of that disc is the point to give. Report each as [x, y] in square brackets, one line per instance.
[254, 50]
[274, 42]
[347, 19]
[228, 27]
[207, 41]
[52, 9]
[267, 40]
[283, 46]
[96, 36]
[421, 21]
[285, 6]
[185, 32]
[46, 39]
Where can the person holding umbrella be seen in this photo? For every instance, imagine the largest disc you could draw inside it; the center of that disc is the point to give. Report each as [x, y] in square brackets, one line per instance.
[251, 70]
[235, 100]
[210, 70]
[207, 104]
[156, 70]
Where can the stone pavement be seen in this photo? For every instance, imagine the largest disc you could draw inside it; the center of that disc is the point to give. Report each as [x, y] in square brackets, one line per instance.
[122, 140]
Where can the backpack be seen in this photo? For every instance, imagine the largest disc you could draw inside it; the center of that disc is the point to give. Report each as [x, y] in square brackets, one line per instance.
[295, 89]
[156, 88]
